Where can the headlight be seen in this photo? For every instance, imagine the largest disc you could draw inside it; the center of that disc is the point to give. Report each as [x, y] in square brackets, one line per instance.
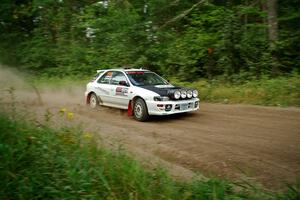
[159, 98]
[189, 94]
[195, 93]
[177, 94]
[183, 94]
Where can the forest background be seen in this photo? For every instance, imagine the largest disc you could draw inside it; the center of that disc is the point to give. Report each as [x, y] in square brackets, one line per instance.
[231, 42]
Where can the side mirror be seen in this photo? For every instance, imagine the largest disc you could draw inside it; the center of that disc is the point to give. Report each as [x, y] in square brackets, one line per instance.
[124, 83]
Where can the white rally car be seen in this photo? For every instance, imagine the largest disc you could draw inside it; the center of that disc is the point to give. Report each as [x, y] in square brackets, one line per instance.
[139, 91]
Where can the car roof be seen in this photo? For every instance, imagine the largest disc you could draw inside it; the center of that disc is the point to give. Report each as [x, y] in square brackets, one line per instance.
[122, 69]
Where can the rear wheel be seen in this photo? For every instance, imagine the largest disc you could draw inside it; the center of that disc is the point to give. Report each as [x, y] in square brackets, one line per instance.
[140, 110]
[94, 101]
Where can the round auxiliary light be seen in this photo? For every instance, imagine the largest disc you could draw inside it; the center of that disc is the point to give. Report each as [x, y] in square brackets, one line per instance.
[183, 94]
[195, 93]
[177, 94]
[189, 94]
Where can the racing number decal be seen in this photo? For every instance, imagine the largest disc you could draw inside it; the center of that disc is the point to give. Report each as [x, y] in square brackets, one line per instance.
[121, 91]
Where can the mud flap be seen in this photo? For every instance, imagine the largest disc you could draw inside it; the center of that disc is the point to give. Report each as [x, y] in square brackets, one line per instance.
[87, 99]
[129, 111]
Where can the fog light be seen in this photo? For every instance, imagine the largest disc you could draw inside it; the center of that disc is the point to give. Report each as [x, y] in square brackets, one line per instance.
[196, 104]
[168, 107]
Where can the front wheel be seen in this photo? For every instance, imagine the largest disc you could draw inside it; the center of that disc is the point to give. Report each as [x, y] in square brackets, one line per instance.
[140, 110]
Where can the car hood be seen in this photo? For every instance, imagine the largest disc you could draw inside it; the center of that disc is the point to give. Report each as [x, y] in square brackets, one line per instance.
[162, 90]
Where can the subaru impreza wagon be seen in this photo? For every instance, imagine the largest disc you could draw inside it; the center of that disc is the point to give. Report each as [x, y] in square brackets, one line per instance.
[141, 92]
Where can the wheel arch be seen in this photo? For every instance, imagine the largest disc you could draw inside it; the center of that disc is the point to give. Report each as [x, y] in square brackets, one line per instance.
[88, 97]
[131, 102]
[137, 97]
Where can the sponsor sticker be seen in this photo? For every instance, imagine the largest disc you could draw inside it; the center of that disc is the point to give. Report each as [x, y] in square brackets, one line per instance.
[122, 91]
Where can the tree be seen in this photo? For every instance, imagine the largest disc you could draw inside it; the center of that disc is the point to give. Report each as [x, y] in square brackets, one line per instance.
[272, 21]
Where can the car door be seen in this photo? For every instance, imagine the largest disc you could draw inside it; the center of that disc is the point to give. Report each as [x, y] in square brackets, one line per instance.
[103, 88]
[120, 87]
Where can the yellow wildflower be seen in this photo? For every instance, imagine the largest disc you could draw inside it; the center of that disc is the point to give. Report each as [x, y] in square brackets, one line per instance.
[70, 115]
[87, 135]
[62, 111]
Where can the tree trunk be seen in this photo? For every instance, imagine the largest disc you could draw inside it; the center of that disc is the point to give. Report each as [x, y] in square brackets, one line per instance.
[272, 22]
[273, 34]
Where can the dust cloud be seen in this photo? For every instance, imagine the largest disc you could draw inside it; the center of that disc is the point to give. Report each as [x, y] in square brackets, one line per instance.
[27, 91]
[10, 78]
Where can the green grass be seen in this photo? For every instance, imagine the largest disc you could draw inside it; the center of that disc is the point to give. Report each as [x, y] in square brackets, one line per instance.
[38, 162]
[282, 91]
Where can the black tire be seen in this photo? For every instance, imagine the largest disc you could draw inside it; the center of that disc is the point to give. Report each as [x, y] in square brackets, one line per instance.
[94, 102]
[140, 110]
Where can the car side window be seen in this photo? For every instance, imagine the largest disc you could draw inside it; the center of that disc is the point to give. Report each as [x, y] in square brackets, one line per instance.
[117, 77]
[105, 79]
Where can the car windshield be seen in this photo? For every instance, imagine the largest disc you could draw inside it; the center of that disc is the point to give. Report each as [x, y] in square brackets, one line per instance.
[143, 78]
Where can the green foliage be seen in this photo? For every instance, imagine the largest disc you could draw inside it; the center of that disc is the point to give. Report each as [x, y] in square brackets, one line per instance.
[42, 163]
[187, 39]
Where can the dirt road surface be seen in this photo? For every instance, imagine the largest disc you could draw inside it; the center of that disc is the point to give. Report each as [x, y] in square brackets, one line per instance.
[239, 142]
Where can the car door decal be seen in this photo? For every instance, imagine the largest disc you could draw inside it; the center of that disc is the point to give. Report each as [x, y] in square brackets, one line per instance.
[122, 91]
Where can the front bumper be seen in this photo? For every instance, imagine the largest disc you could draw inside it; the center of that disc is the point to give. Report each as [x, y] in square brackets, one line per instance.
[172, 107]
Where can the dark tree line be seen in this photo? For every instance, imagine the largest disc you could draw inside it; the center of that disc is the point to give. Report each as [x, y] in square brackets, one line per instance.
[181, 38]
